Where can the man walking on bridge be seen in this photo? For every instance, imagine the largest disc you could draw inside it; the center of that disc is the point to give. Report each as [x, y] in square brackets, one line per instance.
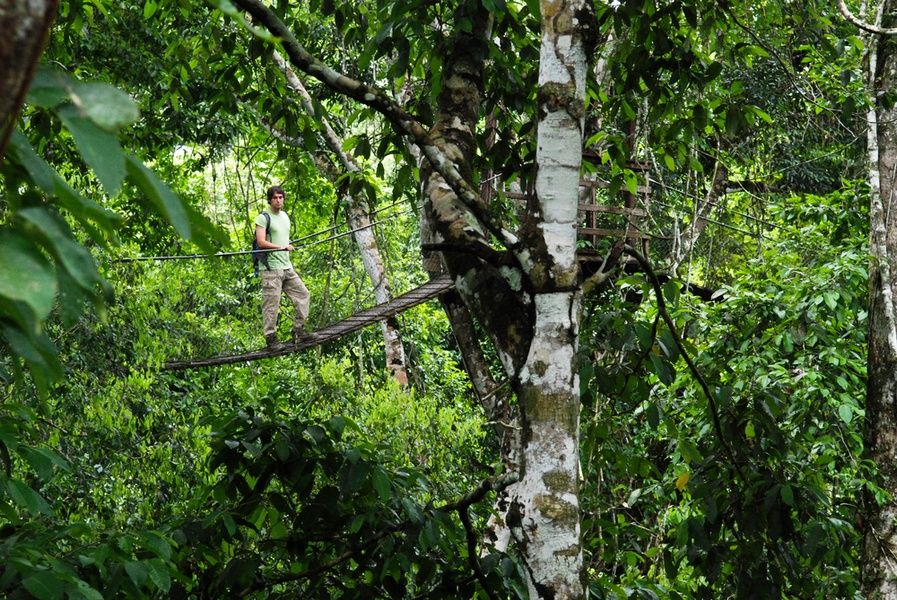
[272, 232]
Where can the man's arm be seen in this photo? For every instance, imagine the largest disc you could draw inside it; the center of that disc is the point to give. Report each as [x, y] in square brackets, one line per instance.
[265, 244]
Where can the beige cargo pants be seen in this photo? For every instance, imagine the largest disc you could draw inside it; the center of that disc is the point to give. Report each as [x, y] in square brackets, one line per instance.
[287, 281]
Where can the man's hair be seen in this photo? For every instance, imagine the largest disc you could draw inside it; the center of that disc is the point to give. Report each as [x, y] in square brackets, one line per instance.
[275, 189]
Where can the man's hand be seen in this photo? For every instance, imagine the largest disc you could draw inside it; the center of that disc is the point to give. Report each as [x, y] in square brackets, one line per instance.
[288, 247]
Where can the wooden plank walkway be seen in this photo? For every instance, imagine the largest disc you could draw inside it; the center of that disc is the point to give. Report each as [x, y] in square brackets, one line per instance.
[419, 295]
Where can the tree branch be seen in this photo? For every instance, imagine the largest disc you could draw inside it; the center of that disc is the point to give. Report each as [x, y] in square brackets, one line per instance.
[491, 484]
[711, 401]
[472, 551]
[608, 265]
[845, 12]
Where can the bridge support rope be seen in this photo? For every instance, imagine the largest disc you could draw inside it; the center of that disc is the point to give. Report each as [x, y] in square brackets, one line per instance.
[431, 289]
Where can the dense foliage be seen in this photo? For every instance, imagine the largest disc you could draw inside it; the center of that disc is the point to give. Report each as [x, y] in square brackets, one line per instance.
[722, 405]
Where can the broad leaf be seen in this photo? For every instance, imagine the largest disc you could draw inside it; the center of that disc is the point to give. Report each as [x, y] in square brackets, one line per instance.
[76, 260]
[44, 586]
[165, 201]
[105, 105]
[98, 147]
[25, 275]
[27, 498]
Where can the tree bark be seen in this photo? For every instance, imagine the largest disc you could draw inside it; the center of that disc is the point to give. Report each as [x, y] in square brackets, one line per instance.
[360, 222]
[547, 498]
[879, 563]
[24, 27]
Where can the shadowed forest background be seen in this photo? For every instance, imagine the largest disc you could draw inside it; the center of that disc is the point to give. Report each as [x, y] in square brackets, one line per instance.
[707, 378]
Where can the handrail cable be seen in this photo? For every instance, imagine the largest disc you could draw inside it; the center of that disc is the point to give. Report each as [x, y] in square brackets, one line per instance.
[712, 203]
[299, 239]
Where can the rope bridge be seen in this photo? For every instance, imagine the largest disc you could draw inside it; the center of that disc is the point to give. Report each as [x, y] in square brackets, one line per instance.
[431, 289]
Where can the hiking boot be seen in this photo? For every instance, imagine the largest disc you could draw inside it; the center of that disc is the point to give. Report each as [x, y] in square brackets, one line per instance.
[298, 334]
[271, 342]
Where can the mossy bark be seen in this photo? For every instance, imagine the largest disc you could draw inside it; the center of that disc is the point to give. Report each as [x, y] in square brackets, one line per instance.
[879, 569]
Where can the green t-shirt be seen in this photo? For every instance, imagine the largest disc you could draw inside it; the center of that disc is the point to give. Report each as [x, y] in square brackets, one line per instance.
[278, 233]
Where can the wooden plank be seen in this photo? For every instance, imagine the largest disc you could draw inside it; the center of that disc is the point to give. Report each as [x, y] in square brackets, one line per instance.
[419, 295]
[597, 231]
[600, 183]
[617, 210]
[642, 190]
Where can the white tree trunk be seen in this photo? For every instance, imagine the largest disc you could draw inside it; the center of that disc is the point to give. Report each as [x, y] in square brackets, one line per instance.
[547, 497]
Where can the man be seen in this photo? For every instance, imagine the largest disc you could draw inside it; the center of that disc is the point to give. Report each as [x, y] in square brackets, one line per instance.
[278, 274]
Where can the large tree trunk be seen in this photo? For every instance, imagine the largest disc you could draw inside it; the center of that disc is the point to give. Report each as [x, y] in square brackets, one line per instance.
[464, 332]
[547, 496]
[879, 566]
[360, 223]
[529, 302]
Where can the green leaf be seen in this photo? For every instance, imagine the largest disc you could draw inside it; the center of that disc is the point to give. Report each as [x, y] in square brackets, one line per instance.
[44, 586]
[689, 451]
[27, 498]
[412, 510]
[49, 88]
[76, 260]
[787, 495]
[41, 173]
[381, 484]
[149, 9]
[670, 162]
[87, 592]
[165, 201]
[845, 411]
[229, 524]
[37, 350]
[631, 181]
[42, 460]
[756, 51]
[664, 371]
[762, 114]
[159, 574]
[98, 147]
[25, 275]
[158, 544]
[105, 105]
[671, 291]
[84, 210]
[137, 571]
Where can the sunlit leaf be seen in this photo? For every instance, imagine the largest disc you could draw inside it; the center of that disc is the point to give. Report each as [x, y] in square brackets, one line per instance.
[98, 147]
[161, 196]
[105, 105]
